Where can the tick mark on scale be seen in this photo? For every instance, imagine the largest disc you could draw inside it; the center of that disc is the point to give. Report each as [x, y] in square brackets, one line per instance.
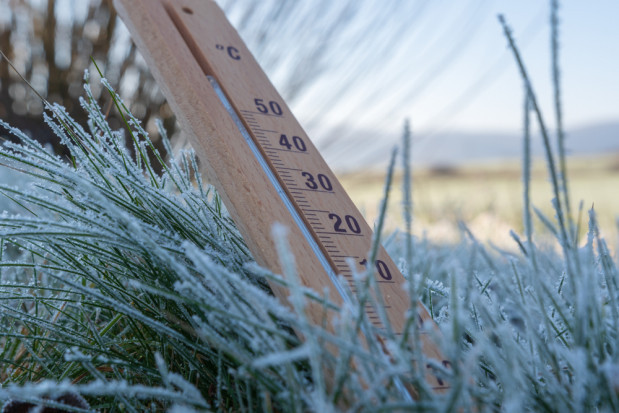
[342, 233]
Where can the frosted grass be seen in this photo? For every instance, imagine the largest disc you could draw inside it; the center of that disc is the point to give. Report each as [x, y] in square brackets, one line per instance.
[123, 279]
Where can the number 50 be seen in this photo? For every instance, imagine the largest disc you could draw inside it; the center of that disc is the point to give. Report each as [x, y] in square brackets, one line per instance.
[273, 106]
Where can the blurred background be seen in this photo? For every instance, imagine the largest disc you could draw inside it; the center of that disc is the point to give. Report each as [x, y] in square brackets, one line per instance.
[352, 71]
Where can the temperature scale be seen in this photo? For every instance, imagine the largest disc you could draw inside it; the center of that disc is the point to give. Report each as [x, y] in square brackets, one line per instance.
[261, 161]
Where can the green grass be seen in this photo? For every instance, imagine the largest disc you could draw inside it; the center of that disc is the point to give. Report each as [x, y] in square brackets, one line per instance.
[133, 288]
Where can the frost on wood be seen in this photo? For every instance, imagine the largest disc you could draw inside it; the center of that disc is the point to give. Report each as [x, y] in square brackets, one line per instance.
[124, 280]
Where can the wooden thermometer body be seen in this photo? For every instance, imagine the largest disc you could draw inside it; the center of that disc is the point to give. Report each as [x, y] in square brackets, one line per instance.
[196, 55]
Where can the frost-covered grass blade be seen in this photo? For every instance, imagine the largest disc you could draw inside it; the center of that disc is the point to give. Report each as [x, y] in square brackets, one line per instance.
[123, 279]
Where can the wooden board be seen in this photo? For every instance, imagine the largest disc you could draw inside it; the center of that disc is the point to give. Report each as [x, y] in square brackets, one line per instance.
[194, 53]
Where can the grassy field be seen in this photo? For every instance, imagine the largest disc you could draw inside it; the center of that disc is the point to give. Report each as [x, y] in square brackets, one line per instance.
[489, 198]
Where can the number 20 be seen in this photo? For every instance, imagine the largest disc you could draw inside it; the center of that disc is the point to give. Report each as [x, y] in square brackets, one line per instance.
[351, 223]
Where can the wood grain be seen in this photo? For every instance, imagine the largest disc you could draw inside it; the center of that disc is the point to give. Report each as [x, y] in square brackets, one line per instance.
[183, 42]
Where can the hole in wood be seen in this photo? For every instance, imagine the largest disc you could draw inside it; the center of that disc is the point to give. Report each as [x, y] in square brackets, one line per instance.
[187, 10]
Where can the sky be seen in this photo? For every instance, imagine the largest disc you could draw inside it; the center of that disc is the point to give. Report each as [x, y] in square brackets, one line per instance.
[445, 65]
[354, 70]
[589, 61]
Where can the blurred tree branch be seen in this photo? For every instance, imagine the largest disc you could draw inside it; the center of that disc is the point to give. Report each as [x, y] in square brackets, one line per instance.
[52, 44]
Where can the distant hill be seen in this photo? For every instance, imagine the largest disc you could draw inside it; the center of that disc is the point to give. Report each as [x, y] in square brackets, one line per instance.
[454, 148]
[458, 148]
